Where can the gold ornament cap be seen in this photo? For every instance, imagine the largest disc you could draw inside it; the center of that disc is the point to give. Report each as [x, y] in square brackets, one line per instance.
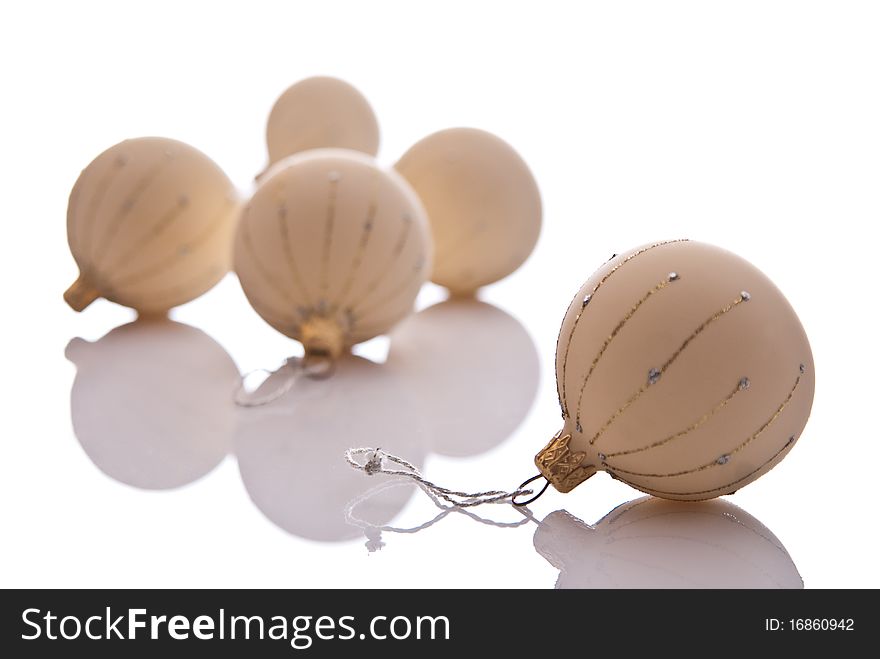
[561, 466]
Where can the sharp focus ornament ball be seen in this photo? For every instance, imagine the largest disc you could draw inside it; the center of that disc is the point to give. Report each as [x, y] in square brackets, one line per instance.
[482, 202]
[150, 224]
[318, 113]
[682, 371]
[332, 250]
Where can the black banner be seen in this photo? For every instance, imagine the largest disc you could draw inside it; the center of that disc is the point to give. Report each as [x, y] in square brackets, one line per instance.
[106, 623]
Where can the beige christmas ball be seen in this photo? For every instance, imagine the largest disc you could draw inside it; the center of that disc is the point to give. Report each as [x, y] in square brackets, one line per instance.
[150, 224]
[332, 250]
[321, 112]
[682, 371]
[482, 202]
[652, 543]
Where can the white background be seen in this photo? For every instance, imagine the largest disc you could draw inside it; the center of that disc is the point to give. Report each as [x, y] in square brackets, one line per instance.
[753, 125]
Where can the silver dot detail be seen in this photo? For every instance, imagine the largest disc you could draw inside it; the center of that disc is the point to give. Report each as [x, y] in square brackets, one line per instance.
[673, 276]
[802, 368]
[653, 376]
[746, 296]
[578, 427]
[586, 300]
[602, 457]
[745, 383]
[723, 460]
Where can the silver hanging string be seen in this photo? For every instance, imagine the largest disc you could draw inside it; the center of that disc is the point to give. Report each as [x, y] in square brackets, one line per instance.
[373, 532]
[445, 510]
[297, 367]
[375, 459]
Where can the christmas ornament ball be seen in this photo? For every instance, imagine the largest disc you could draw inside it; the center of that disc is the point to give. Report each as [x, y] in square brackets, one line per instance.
[321, 112]
[150, 224]
[682, 371]
[482, 202]
[332, 250]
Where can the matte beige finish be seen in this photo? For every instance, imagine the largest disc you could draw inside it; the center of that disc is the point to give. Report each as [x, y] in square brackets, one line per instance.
[320, 113]
[686, 374]
[332, 250]
[482, 202]
[150, 224]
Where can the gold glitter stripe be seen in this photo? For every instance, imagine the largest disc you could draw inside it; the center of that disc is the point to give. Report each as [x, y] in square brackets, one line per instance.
[716, 463]
[328, 232]
[271, 315]
[395, 253]
[659, 287]
[95, 204]
[185, 249]
[681, 433]
[366, 233]
[394, 293]
[718, 314]
[562, 390]
[127, 204]
[258, 264]
[157, 229]
[721, 489]
[287, 246]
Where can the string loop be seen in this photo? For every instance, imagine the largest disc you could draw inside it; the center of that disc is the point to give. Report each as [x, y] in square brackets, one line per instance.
[312, 366]
[374, 463]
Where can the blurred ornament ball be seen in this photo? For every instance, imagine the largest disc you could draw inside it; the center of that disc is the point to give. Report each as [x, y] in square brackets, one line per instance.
[321, 112]
[482, 202]
[150, 224]
[332, 250]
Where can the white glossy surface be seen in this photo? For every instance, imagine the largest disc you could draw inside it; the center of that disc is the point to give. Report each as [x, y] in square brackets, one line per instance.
[752, 125]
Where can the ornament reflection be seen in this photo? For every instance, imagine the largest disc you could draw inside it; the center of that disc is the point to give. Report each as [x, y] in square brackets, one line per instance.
[153, 406]
[150, 403]
[373, 531]
[654, 543]
[290, 450]
[473, 369]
